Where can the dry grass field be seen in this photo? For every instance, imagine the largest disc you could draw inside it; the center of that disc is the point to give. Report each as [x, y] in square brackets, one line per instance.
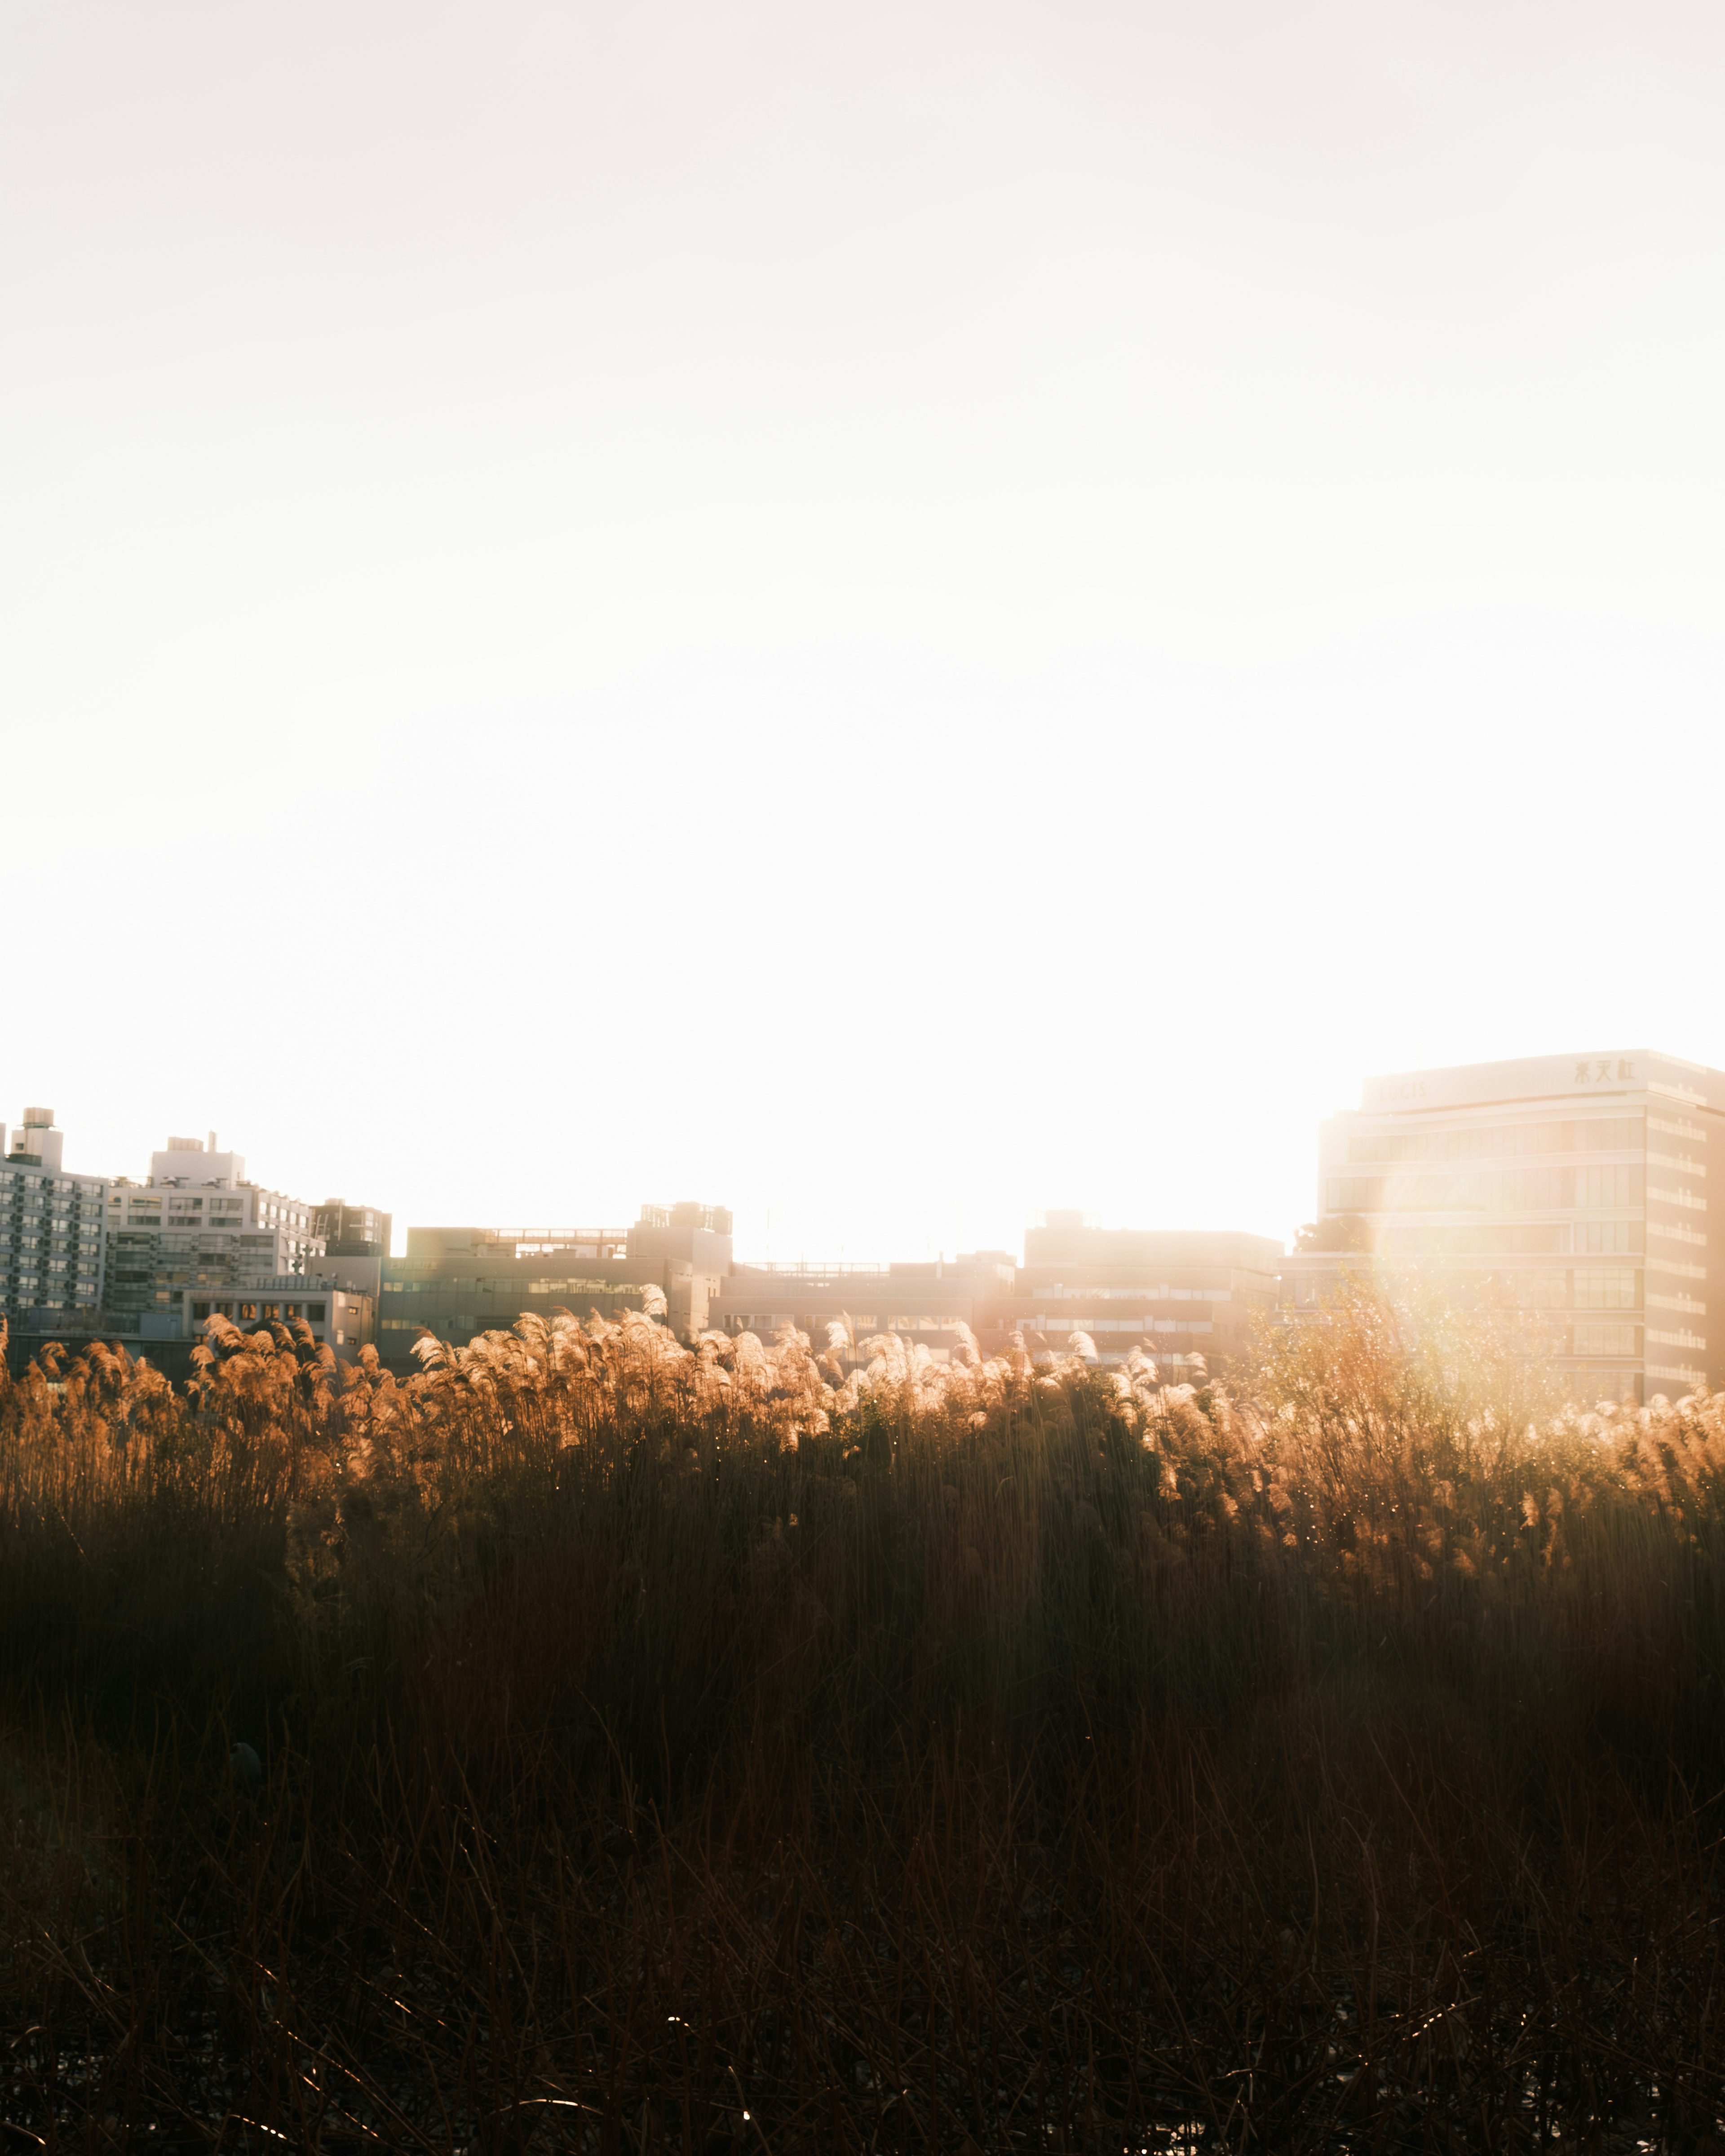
[714, 1751]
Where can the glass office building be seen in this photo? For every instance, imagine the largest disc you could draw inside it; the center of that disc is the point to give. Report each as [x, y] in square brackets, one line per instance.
[1573, 1188]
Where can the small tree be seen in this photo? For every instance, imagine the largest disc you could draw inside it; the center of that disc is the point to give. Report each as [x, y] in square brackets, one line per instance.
[1342, 1231]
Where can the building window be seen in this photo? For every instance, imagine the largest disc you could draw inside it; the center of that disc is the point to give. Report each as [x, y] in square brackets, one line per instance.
[1596, 1339]
[1608, 1238]
[1510, 1190]
[1501, 1142]
[1608, 1287]
[315, 1312]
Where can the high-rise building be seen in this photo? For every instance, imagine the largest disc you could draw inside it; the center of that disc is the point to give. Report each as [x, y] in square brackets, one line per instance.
[197, 1223]
[52, 1230]
[1574, 1188]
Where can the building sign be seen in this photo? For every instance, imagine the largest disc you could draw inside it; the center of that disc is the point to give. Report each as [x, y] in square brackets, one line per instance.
[1483, 1085]
[1542, 1077]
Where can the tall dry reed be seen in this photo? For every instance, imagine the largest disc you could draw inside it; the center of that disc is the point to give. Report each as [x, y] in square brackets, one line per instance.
[673, 1747]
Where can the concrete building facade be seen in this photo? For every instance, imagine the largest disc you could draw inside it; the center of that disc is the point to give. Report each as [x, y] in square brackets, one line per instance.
[197, 1223]
[1573, 1188]
[1192, 1298]
[54, 1229]
[925, 1303]
[456, 1282]
[343, 1318]
[351, 1231]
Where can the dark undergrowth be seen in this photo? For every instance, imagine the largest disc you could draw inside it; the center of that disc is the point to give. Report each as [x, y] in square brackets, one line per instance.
[708, 1750]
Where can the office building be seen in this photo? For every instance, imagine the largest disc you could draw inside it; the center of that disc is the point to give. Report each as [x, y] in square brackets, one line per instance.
[197, 1223]
[52, 1231]
[456, 1282]
[1571, 1188]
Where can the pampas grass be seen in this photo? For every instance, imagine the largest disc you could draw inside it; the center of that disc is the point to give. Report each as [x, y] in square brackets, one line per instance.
[735, 1746]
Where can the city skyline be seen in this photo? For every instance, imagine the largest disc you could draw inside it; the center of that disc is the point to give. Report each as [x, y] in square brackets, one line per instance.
[1567, 1193]
[1377, 1092]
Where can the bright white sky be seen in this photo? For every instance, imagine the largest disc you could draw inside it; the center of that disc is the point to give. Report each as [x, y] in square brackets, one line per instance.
[889, 616]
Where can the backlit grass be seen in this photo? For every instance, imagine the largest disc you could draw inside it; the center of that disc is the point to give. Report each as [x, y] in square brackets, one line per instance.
[734, 1748]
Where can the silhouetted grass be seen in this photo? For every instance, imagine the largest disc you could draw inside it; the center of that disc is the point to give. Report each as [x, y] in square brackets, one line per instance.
[709, 1750]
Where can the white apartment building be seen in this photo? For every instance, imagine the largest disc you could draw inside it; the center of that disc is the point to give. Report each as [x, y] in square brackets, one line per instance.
[53, 1226]
[198, 1224]
[1575, 1187]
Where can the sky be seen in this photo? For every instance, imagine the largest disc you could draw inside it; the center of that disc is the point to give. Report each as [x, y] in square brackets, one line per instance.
[887, 617]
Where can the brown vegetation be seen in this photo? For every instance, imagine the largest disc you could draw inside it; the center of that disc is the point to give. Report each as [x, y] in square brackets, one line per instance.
[712, 1750]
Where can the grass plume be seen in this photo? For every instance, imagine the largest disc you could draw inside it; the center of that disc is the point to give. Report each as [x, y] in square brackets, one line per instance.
[720, 1747]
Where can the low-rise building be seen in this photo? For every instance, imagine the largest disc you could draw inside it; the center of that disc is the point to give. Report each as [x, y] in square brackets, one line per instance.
[925, 1303]
[343, 1317]
[1191, 1298]
[686, 1250]
[1311, 1278]
[458, 1282]
[351, 1231]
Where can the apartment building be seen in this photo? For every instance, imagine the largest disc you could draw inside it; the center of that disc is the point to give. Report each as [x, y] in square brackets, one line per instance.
[54, 1230]
[1573, 1188]
[457, 1282]
[197, 1223]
